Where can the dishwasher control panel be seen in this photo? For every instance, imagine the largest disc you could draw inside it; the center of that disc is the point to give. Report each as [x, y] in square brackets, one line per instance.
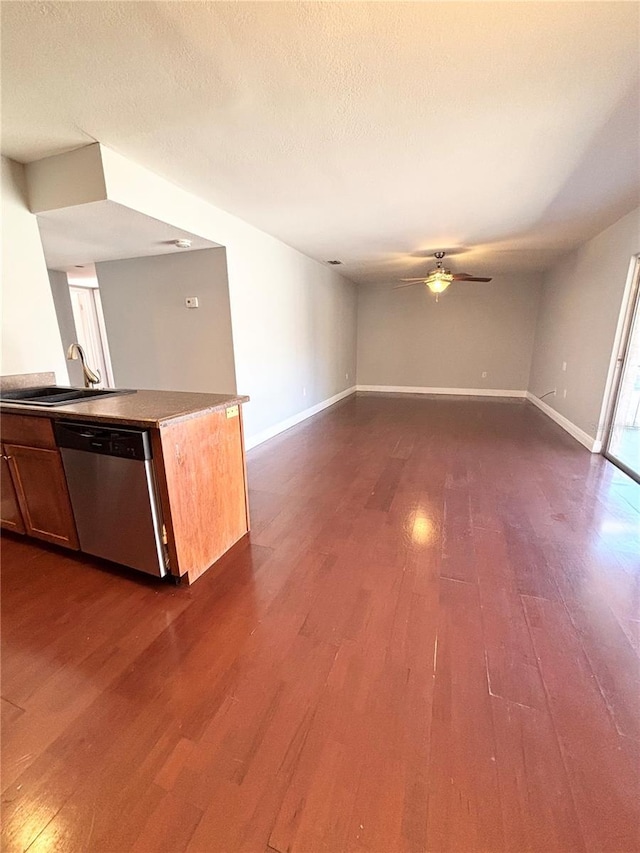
[98, 438]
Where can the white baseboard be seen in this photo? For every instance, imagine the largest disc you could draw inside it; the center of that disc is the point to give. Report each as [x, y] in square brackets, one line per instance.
[276, 429]
[579, 434]
[459, 392]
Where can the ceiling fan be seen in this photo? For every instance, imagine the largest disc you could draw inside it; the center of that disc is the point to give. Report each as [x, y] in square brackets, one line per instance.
[439, 279]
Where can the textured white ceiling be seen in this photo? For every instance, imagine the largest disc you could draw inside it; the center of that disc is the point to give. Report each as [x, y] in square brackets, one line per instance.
[106, 231]
[369, 132]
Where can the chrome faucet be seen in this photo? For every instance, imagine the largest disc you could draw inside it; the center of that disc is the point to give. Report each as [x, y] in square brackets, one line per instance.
[91, 377]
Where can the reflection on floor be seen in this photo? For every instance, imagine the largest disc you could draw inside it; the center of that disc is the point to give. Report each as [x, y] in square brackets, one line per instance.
[625, 446]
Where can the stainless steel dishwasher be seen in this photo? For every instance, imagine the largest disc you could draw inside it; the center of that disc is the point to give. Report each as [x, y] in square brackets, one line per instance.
[112, 486]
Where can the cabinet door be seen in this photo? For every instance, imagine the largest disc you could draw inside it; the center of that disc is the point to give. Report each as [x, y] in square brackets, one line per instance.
[10, 515]
[41, 487]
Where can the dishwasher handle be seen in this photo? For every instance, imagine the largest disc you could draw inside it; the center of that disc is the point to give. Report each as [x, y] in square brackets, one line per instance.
[100, 438]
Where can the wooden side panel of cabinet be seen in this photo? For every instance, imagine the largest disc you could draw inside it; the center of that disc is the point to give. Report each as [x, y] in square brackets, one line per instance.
[10, 515]
[201, 472]
[42, 493]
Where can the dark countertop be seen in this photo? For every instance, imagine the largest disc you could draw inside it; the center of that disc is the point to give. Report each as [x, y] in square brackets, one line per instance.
[143, 409]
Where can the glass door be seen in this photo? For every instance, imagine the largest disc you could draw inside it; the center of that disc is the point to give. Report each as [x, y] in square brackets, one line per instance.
[623, 444]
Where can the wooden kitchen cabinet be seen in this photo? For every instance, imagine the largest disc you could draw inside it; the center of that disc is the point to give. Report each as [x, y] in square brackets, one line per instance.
[41, 489]
[32, 473]
[10, 515]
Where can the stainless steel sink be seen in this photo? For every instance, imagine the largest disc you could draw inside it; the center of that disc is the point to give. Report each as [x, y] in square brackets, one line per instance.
[58, 395]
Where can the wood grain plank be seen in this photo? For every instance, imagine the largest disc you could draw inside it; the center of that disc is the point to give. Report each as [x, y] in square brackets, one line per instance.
[530, 766]
[603, 767]
[512, 667]
[464, 799]
[458, 557]
[384, 490]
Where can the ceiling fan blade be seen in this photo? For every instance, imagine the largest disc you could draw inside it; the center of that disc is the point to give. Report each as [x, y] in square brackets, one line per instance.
[465, 277]
[409, 284]
[414, 279]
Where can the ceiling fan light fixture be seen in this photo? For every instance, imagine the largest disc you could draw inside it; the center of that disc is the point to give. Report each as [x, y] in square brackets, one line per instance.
[438, 286]
[439, 281]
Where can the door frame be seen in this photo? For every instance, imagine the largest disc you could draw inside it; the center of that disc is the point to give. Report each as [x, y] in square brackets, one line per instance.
[98, 328]
[628, 314]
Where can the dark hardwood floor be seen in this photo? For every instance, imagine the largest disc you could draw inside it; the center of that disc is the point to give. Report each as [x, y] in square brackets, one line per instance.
[430, 643]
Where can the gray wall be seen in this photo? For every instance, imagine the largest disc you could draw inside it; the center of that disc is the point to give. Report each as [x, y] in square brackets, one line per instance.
[407, 339]
[155, 340]
[579, 312]
[294, 324]
[294, 319]
[66, 323]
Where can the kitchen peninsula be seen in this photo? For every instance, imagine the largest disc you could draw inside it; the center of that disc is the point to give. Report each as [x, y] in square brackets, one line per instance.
[196, 449]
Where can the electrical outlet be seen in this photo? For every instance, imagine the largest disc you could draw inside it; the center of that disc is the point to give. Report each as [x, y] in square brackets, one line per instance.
[346, 376]
[484, 374]
[564, 366]
[304, 391]
[564, 394]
